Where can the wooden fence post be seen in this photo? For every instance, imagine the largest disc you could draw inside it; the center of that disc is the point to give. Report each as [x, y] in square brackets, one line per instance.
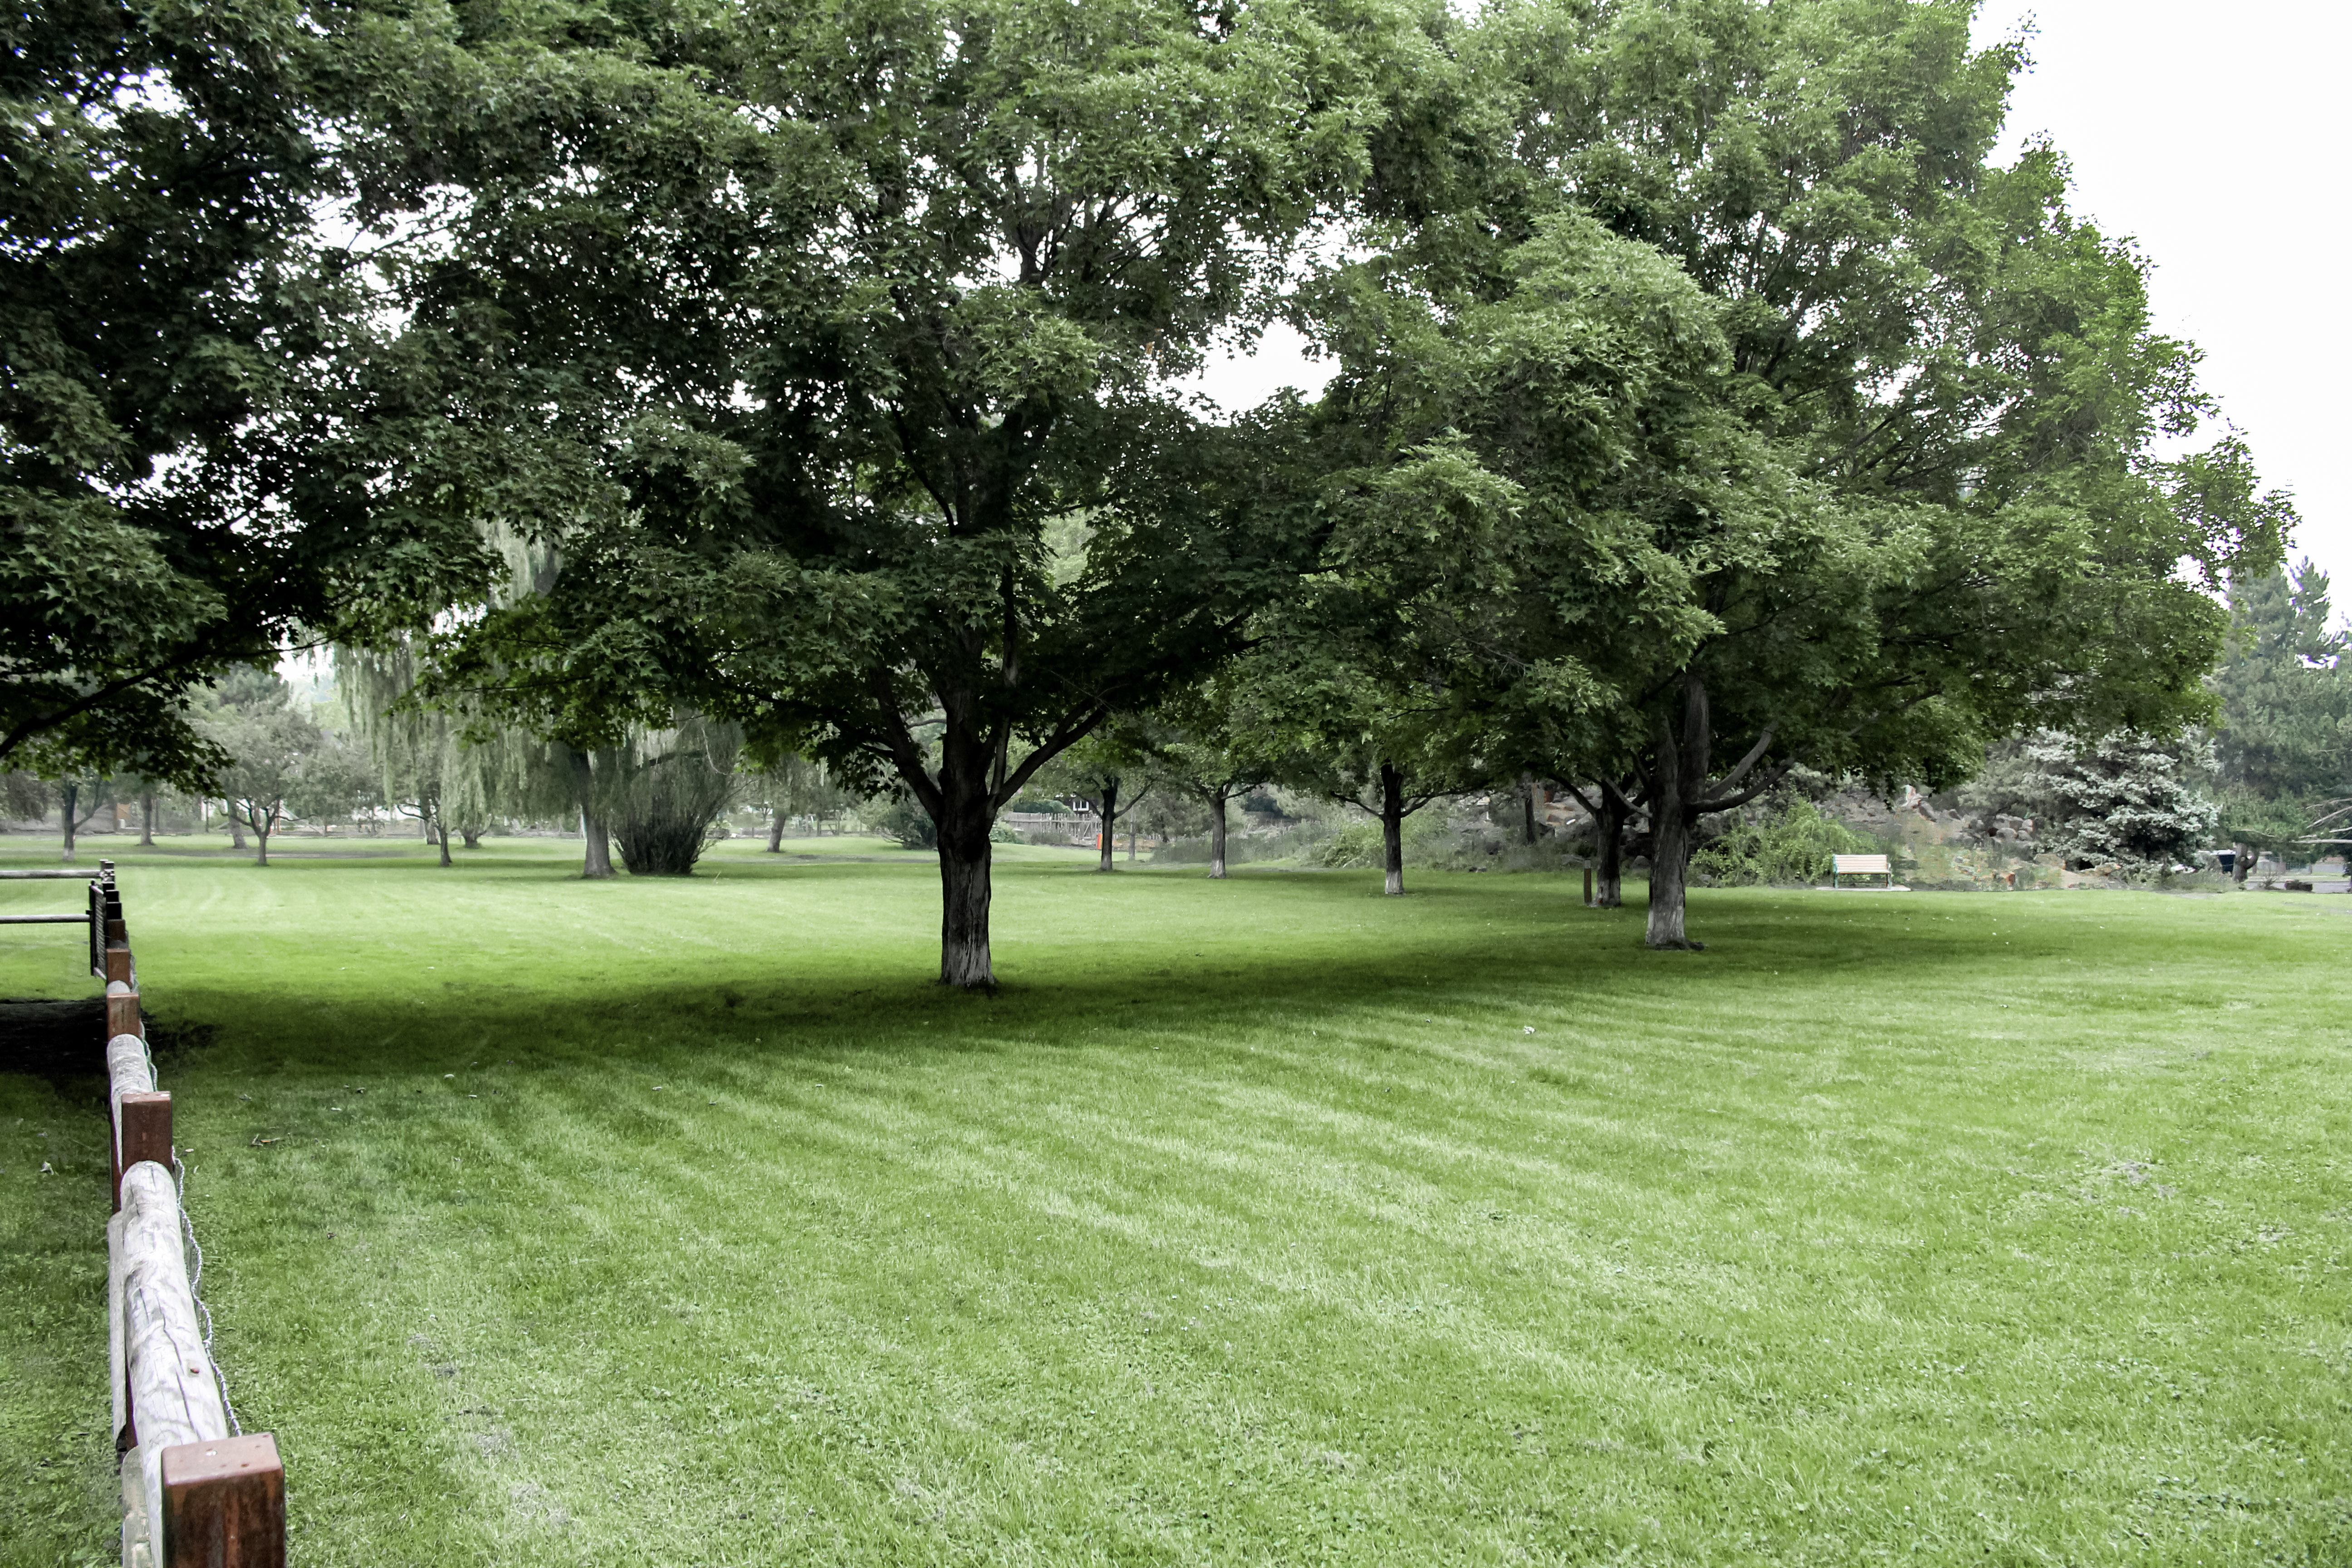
[224, 1502]
[122, 1010]
[130, 1077]
[143, 1131]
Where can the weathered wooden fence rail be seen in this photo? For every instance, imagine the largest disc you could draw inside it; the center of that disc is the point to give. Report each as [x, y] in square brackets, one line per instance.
[196, 1493]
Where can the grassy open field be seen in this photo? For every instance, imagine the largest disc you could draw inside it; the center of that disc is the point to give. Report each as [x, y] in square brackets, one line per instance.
[1259, 1222]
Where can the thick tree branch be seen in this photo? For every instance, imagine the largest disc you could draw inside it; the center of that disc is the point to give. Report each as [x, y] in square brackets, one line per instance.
[1763, 743]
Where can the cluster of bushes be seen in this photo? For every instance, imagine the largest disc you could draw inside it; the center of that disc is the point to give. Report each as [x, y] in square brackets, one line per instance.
[1789, 845]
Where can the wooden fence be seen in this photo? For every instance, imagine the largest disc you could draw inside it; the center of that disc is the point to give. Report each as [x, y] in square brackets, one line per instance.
[1075, 828]
[195, 1491]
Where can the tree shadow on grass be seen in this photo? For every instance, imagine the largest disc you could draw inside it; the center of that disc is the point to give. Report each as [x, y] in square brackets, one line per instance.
[1562, 960]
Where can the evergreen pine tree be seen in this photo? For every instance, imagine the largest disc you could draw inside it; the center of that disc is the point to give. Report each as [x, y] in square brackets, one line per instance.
[2287, 696]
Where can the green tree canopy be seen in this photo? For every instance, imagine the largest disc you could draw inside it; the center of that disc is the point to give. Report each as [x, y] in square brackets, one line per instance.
[169, 334]
[1911, 497]
[844, 316]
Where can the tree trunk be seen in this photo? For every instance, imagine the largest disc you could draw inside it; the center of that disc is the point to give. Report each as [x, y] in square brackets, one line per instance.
[236, 827]
[147, 817]
[964, 891]
[261, 842]
[443, 832]
[1103, 840]
[596, 859]
[472, 835]
[69, 792]
[2242, 863]
[1669, 857]
[1130, 844]
[775, 833]
[1680, 771]
[1527, 803]
[1217, 835]
[1392, 828]
[964, 815]
[1608, 848]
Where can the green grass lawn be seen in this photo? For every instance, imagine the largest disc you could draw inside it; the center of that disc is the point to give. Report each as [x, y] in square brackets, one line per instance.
[1259, 1222]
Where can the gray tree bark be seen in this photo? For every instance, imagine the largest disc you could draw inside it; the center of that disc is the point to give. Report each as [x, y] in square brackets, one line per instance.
[1669, 851]
[1392, 828]
[596, 857]
[965, 895]
[1680, 773]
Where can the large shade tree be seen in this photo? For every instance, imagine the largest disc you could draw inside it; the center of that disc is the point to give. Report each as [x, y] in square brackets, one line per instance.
[1507, 480]
[1363, 687]
[861, 322]
[1806, 434]
[1949, 519]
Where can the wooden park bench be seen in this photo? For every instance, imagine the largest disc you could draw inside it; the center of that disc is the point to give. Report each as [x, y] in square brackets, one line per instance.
[1861, 866]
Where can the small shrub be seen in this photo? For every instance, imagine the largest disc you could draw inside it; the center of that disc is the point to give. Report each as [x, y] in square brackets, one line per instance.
[1357, 845]
[1792, 848]
[902, 817]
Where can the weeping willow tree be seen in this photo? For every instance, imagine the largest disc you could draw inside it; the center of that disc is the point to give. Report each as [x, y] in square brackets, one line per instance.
[452, 775]
[662, 792]
[501, 774]
[414, 747]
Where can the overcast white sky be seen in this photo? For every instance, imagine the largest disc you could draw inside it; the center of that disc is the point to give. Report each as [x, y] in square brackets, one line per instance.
[2214, 135]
